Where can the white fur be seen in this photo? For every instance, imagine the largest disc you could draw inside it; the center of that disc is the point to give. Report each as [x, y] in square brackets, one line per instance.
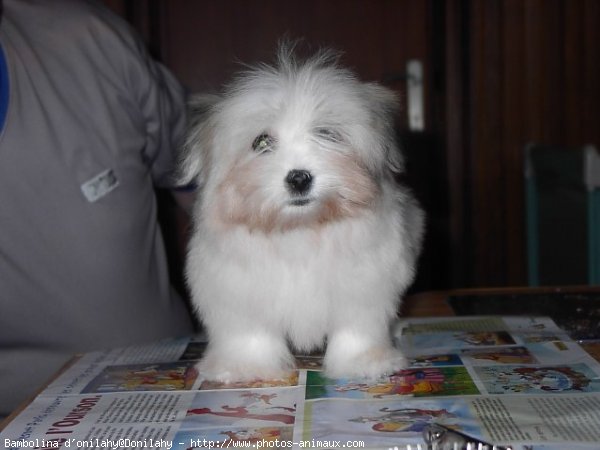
[264, 273]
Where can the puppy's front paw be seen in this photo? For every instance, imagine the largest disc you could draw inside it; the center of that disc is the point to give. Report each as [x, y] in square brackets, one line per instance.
[370, 364]
[352, 356]
[226, 371]
[228, 364]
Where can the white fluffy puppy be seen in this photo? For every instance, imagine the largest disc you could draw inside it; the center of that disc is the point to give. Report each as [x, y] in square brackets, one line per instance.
[301, 235]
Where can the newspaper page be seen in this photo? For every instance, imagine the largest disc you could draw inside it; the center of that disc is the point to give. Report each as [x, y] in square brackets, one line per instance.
[510, 381]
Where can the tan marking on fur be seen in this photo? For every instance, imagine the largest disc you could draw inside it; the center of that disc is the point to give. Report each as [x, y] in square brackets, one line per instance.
[359, 189]
[239, 201]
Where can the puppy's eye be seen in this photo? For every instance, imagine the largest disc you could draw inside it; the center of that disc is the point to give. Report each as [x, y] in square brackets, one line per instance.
[328, 134]
[263, 143]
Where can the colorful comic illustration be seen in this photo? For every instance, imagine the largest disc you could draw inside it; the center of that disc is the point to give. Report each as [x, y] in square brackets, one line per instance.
[458, 340]
[512, 379]
[435, 360]
[377, 422]
[504, 355]
[539, 353]
[557, 352]
[433, 325]
[243, 408]
[228, 437]
[418, 382]
[176, 376]
[290, 380]
[533, 338]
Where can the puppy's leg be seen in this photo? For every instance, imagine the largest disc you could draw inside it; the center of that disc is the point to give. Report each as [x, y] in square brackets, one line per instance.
[246, 355]
[361, 350]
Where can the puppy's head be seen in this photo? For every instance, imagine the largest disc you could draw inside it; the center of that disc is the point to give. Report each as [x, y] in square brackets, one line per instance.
[297, 144]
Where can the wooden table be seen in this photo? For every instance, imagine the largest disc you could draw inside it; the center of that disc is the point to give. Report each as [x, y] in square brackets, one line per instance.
[434, 303]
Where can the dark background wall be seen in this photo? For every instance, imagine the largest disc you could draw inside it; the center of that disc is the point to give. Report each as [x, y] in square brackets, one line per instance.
[498, 75]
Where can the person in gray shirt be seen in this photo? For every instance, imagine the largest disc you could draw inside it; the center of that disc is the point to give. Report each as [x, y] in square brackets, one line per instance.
[89, 125]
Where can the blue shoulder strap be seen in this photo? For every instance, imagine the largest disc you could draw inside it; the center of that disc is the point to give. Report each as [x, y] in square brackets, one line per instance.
[3, 88]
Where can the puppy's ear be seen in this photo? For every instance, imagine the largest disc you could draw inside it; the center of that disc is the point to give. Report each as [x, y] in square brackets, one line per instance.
[195, 154]
[384, 106]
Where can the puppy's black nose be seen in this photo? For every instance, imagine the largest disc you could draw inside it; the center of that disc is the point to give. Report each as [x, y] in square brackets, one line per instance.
[298, 181]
